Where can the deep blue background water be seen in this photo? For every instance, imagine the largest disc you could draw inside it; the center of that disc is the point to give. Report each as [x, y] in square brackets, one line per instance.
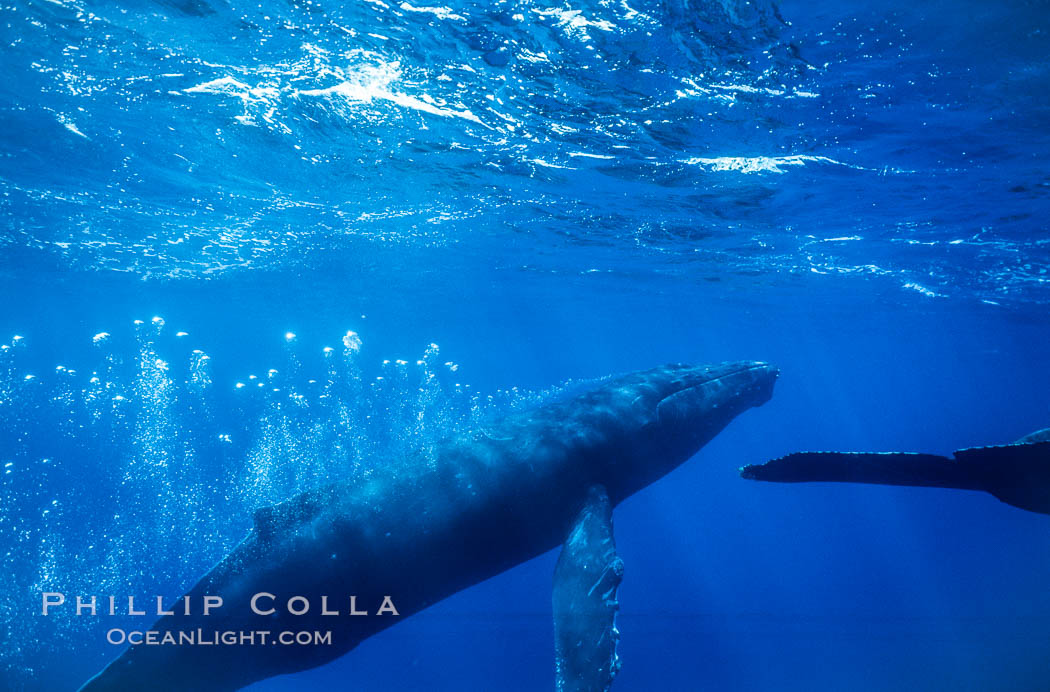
[855, 192]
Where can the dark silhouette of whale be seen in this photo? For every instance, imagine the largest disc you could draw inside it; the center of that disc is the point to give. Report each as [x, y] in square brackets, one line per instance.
[1017, 474]
[416, 531]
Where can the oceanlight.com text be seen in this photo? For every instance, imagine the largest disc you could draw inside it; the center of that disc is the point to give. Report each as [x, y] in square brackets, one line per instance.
[199, 637]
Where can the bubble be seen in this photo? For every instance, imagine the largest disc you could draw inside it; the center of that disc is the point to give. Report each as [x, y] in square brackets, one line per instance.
[325, 426]
[182, 334]
[352, 341]
[289, 337]
[30, 377]
[100, 338]
[158, 321]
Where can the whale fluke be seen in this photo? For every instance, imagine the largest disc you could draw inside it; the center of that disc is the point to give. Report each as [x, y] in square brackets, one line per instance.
[586, 579]
[1017, 474]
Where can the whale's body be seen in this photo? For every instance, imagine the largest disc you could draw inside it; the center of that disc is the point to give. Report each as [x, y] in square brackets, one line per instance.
[419, 531]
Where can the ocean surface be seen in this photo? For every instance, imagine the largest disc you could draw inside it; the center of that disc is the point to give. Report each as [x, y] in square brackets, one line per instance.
[247, 248]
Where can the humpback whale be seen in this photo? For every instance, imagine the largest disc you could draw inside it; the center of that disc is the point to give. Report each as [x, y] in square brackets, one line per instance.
[1017, 474]
[416, 531]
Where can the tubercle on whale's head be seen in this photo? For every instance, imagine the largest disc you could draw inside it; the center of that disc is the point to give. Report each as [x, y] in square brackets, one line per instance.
[677, 409]
[697, 402]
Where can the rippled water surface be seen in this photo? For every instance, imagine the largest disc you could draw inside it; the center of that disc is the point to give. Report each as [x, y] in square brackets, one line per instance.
[190, 139]
[229, 233]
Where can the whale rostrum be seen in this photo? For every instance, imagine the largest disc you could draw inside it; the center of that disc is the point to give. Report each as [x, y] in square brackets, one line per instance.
[415, 531]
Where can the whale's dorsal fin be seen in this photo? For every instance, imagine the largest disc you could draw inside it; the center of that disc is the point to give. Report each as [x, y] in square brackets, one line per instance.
[263, 521]
[270, 519]
[585, 582]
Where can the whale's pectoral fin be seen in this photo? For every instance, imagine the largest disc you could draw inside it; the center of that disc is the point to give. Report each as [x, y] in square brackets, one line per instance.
[585, 582]
[883, 468]
[1017, 474]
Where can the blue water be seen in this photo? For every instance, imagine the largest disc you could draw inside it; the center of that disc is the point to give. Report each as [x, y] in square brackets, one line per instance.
[551, 193]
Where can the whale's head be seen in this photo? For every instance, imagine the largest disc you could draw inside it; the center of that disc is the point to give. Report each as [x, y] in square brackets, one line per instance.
[665, 415]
